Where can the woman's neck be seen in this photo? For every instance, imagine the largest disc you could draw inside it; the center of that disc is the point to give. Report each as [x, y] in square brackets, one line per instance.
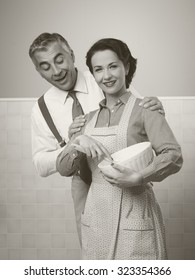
[111, 100]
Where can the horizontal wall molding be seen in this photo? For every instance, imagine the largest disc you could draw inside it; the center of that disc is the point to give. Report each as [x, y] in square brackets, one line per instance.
[176, 97]
[18, 99]
[35, 99]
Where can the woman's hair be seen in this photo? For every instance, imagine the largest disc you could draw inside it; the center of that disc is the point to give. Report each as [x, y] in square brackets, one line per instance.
[122, 51]
[43, 41]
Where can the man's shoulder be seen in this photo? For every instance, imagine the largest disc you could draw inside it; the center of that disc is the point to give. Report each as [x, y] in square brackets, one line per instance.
[87, 74]
[46, 95]
[35, 112]
[51, 91]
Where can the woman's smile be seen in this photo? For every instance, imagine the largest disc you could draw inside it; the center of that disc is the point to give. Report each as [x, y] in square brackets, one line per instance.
[110, 83]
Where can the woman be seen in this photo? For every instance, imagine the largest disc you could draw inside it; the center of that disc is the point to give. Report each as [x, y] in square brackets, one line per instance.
[121, 219]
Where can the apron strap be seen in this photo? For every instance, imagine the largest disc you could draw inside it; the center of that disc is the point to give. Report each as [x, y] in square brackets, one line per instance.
[124, 122]
[91, 124]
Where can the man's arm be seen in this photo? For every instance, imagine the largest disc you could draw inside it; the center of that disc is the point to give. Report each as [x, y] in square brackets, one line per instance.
[44, 145]
[68, 161]
[152, 103]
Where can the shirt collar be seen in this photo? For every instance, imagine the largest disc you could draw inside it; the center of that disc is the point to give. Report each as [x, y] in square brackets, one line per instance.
[80, 85]
[123, 99]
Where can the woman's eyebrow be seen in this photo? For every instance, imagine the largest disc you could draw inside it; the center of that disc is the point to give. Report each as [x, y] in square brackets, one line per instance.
[113, 62]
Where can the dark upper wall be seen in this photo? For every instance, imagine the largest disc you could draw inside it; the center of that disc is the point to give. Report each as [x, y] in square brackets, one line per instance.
[159, 33]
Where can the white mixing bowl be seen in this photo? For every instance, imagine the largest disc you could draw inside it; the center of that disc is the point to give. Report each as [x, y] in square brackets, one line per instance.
[136, 157]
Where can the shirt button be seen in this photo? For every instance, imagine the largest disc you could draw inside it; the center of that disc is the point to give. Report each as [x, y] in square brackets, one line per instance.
[112, 111]
[74, 155]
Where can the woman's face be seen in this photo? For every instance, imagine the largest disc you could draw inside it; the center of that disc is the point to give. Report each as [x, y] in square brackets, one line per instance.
[109, 72]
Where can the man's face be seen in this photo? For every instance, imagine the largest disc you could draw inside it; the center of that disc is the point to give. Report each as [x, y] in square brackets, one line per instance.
[56, 65]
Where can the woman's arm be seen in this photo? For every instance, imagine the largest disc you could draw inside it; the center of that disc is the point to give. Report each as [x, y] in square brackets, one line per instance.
[168, 159]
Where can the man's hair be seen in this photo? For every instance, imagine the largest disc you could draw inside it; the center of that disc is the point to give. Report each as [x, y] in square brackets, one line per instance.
[44, 39]
[118, 47]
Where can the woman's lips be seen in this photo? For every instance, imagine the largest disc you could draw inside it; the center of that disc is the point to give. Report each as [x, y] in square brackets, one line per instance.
[109, 84]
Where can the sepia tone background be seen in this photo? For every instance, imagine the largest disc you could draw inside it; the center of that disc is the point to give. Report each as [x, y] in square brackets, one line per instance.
[36, 214]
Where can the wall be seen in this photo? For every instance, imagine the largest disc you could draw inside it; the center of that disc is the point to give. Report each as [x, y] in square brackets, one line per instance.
[159, 33]
[36, 214]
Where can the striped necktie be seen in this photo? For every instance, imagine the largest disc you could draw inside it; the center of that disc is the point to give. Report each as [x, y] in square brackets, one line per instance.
[77, 109]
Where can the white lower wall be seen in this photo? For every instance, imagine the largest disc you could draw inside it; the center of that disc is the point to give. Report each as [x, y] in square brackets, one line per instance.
[36, 214]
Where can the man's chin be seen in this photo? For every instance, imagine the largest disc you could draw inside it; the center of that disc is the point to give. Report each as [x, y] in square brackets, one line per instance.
[61, 86]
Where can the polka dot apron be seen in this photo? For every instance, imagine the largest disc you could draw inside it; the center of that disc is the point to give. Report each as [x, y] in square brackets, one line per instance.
[119, 223]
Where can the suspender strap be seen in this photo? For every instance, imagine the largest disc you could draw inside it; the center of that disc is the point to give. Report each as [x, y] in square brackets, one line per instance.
[49, 121]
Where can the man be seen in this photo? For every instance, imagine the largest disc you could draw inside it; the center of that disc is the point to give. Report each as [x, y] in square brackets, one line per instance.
[54, 60]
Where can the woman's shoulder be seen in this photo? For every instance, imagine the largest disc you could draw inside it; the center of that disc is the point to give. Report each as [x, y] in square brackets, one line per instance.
[139, 112]
[137, 107]
[146, 111]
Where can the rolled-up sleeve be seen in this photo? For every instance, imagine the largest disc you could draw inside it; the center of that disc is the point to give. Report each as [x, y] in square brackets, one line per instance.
[68, 161]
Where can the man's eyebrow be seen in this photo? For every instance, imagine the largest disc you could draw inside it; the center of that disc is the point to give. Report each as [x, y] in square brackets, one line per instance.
[43, 62]
[46, 62]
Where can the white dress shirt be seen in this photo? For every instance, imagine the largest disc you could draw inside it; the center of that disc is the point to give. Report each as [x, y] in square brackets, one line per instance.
[45, 148]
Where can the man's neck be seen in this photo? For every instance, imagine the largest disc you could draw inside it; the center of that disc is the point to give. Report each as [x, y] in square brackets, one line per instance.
[72, 88]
